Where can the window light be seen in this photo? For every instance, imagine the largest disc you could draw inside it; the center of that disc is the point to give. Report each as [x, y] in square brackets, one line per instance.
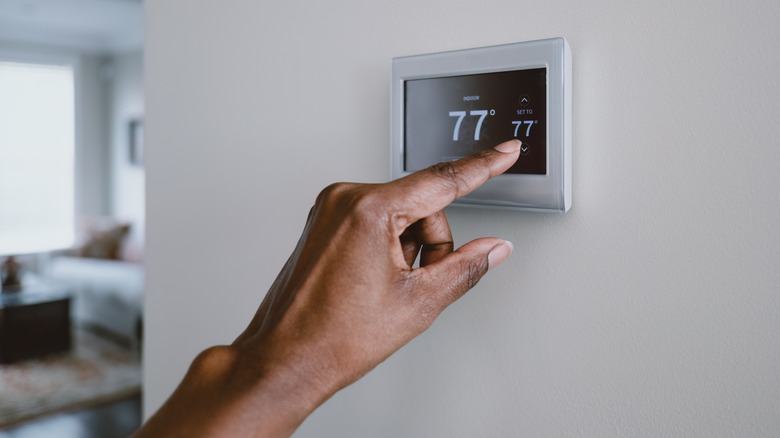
[37, 146]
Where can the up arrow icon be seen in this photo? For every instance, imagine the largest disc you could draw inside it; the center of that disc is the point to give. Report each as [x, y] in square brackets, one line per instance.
[524, 100]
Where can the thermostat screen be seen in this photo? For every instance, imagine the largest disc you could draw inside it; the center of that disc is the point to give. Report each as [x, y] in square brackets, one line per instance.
[448, 118]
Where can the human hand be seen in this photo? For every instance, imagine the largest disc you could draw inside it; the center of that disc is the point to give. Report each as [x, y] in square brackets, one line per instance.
[348, 297]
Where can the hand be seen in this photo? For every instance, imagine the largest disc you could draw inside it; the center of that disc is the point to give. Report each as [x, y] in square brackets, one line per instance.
[348, 297]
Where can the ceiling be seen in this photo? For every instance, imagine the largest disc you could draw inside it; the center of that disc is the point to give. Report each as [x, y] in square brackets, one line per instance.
[99, 26]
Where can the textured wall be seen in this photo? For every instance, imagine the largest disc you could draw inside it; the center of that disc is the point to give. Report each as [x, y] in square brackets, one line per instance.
[650, 309]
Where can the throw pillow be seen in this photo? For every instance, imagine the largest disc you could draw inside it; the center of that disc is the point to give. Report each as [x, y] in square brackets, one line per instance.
[105, 244]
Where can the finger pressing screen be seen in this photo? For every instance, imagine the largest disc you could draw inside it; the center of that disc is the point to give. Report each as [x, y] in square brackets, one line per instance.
[425, 192]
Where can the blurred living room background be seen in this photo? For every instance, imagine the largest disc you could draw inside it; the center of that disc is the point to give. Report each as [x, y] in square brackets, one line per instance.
[71, 217]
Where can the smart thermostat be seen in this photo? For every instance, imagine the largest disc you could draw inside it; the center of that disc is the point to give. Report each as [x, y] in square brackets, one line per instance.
[449, 105]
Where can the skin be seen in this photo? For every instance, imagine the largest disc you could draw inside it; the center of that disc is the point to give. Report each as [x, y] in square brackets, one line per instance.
[347, 298]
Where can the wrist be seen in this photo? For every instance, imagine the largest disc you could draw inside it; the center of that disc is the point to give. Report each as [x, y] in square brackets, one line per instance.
[295, 385]
[228, 392]
[276, 397]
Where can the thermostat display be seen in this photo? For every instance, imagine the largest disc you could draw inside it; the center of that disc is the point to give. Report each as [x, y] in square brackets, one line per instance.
[449, 105]
[453, 117]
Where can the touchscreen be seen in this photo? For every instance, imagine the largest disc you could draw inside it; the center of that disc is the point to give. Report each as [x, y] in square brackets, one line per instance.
[448, 118]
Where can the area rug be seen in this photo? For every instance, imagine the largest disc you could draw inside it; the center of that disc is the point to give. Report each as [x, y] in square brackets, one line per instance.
[95, 371]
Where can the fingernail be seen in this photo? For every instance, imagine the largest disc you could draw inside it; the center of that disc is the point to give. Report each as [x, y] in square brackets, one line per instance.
[499, 253]
[508, 147]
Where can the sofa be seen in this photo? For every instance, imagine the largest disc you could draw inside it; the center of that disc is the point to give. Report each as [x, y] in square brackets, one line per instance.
[105, 278]
[107, 295]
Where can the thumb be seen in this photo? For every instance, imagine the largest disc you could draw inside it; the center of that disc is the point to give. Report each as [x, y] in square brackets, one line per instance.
[455, 274]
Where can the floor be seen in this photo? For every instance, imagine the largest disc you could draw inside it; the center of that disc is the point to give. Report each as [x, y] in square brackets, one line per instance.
[114, 420]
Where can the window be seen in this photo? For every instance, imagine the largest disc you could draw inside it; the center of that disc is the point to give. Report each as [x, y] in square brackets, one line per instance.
[37, 147]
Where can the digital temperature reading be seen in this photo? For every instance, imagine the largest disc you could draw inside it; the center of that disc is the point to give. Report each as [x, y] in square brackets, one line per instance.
[447, 118]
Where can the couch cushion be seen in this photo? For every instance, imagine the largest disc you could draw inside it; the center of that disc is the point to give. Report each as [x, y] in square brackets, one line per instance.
[104, 243]
[107, 293]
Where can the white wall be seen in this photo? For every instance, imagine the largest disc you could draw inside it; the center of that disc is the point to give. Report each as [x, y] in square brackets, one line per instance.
[127, 103]
[650, 309]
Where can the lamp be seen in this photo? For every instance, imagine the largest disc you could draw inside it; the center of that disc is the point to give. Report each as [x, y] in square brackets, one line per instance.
[11, 275]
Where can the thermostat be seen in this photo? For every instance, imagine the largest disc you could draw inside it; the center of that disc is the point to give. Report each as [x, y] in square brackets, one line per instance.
[449, 105]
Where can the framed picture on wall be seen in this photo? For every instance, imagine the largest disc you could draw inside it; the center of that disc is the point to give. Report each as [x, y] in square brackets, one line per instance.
[136, 141]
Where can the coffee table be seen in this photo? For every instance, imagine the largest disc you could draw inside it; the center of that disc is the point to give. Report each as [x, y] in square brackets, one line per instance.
[34, 322]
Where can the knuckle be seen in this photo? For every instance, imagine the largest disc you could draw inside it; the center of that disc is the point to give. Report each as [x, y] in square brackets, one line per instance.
[485, 155]
[471, 271]
[358, 201]
[450, 175]
[340, 196]
[332, 192]
[475, 271]
[366, 207]
[366, 201]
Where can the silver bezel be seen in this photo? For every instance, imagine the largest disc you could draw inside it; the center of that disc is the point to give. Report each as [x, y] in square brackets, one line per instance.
[550, 192]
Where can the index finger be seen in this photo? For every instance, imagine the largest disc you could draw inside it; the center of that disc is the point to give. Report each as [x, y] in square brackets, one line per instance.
[429, 190]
